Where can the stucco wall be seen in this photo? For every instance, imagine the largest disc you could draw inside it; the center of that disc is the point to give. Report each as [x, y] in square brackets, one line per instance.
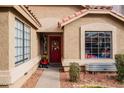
[35, 44]
[4, 38]
[24, 78]
[34, 37]
[17, 72]
[72, 36]
[13, 75]
[50, 15]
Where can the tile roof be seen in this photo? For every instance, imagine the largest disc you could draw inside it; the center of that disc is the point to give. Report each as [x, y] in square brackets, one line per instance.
[80, 13]
[97, 7]
[29, 10]
[71, 17]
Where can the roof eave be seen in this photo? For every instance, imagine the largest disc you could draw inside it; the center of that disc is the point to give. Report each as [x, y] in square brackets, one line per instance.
[22, 10]
[94, 11]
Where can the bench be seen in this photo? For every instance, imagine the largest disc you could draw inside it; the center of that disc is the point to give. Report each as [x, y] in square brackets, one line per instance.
[100, 67]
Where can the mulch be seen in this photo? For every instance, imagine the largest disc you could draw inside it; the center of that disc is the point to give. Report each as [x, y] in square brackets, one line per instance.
[106, 80]
[32, 81]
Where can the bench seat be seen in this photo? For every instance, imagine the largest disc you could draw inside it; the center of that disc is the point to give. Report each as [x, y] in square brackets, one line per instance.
[101, 67]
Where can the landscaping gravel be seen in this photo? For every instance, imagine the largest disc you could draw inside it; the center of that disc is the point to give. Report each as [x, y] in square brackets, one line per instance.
[107, 80]
[32, 81]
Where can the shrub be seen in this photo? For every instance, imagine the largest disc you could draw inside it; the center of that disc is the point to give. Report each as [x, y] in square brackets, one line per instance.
[120, 66]
[74, 72]
[44, 57]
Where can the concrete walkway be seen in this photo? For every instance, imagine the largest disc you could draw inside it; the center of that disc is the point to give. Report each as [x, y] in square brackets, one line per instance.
[49, 79]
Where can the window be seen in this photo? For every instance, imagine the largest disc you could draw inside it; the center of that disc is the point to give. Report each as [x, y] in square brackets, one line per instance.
[98, 44]
[22, 39]
[26, 43]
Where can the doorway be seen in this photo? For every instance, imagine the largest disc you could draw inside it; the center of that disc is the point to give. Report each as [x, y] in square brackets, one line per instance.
[55, 49]
[52, 47]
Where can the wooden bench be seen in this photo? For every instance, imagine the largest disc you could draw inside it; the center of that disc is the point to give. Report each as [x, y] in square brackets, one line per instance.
[100, 67]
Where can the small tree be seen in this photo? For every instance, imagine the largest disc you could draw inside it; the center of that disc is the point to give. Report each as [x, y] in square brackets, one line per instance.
[74, 72]
[120, 66]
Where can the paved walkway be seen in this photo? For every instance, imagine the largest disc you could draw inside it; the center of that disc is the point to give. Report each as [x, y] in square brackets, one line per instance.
[49, 79]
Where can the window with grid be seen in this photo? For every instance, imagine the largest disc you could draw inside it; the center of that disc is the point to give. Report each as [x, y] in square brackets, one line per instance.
[98, 44]
[26, 43]
[22, 39]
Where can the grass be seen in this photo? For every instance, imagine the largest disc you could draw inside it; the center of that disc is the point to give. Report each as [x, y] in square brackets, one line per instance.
[92, 87]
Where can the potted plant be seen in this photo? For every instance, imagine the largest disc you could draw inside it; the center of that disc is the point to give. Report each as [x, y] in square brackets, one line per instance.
[44, 61]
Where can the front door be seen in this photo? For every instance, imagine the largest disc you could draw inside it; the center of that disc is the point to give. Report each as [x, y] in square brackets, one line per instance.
[55, 49]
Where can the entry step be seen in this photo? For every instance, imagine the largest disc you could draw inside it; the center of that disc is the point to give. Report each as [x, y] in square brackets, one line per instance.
[55, 64]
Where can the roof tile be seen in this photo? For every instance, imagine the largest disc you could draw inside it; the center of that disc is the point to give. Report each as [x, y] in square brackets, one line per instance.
[78, 13]
[27, 7]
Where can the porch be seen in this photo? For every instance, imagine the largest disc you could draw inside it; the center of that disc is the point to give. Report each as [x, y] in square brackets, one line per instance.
[51, 47]
[53, 78]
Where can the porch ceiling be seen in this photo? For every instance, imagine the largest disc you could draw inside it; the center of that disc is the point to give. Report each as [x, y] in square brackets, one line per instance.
[49, 24]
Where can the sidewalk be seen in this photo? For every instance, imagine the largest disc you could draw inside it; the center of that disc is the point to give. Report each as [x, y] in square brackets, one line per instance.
[49, 79]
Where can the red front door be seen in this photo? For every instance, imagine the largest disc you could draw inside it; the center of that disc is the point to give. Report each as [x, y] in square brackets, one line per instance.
[55, 49]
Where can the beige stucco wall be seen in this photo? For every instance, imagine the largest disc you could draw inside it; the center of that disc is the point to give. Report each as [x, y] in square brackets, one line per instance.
[50, 15]
[72, 37]
[35, 44]
[4, 37]
[14, 76]
[34, 37]
[24, 78]
[17, 74]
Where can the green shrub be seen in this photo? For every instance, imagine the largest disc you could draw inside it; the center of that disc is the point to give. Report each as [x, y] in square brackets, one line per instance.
[120, 66]
[44, 57]
[74, 72]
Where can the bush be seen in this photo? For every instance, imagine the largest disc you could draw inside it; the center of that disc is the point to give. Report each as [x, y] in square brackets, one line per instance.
[74, 72]
[44, 57]
[120, 66]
